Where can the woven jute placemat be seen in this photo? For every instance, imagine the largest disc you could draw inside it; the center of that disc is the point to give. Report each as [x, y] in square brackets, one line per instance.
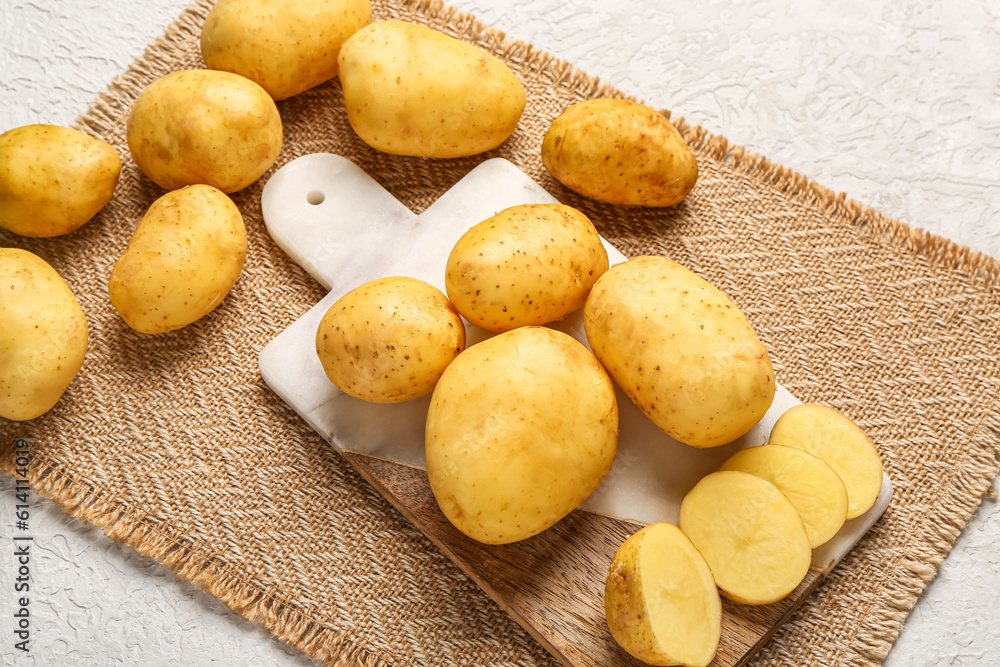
[175, 447]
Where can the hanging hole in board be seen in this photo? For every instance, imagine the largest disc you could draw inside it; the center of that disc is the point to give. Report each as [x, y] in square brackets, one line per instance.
[315, 197]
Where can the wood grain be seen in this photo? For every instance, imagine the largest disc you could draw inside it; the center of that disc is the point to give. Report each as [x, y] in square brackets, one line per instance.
[553, 584]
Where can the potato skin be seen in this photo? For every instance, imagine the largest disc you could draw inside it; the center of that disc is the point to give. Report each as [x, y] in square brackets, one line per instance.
[527, 265]
[285, 46]
[389, 340]
[521, 428]
[182, 260]
[680, 349]
[43, 340]
[411, 90]
[53, 179]
[619, 152]
[204, 127]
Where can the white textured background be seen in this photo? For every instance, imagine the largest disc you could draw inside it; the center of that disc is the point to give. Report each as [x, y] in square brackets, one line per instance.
[895, 103]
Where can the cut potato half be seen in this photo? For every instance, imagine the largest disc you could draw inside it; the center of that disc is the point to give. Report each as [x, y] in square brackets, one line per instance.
[749, 533]
[832, 436]
[812, 486]
[661, 601]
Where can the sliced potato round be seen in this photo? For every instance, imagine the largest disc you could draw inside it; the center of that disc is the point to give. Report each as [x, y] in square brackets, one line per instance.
[661, 601]
[832, 436]
[812, 486]
[749, 533]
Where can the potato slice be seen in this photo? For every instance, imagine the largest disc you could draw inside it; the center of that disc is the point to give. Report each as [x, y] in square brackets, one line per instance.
[812, 486]
[832, 436]
[660, 599]
[749, 533]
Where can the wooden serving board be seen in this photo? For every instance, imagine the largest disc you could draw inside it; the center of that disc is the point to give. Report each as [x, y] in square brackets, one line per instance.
[345, 229]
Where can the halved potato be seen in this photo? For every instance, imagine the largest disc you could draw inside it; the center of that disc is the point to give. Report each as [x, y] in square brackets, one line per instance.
[807, 481]
[832, 436]
[749, 533]
[661, 601]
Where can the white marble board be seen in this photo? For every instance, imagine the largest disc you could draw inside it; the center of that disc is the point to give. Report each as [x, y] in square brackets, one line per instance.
[335, 221]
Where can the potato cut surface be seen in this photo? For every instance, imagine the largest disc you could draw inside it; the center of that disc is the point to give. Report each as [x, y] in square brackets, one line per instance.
[749, 533]
[832, 436]
[811, 485]
[661, 601]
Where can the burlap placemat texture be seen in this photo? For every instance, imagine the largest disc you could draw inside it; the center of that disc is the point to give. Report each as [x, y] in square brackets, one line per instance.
[174, 446]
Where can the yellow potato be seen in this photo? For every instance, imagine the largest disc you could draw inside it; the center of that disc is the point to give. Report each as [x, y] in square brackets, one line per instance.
[749, 533]
[389, 340]
[183, 258]
[660, 599]
[812, 486]
[411, 90]
[619, 152]
[529, 264]
[286, 46]
[681, 350]
[53, 179]
[204, 127]
[43, 339]
[521, 429]
[832, 436]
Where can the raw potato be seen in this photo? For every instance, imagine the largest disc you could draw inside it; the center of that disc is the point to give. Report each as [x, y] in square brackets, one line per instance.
[529, 264]
[43, 339]
[53, 179]
[619, 152]
[521, 429]
[812, 486]
[204, 127]
[389, 340]
[660, 599]
[681, 350]
[286, 46]
[411, 90]
[832, 436]
[750, 534]
[183, 258]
